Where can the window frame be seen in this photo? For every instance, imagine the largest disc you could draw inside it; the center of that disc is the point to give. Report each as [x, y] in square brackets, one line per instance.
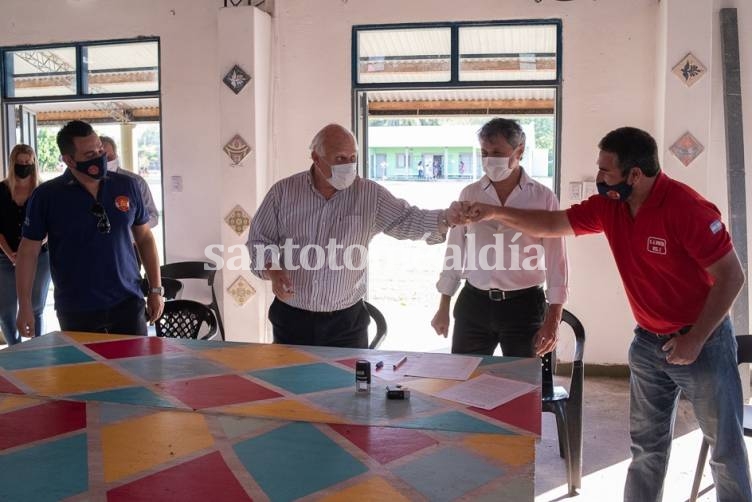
[81, 72]
[360, 90]
[454, 56]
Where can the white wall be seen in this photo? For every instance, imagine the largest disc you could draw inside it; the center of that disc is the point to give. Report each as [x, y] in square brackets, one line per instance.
[190, 120]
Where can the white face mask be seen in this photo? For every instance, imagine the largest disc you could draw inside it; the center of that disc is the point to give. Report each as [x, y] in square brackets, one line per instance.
[497, 168]
[113, 165]
[343, 175]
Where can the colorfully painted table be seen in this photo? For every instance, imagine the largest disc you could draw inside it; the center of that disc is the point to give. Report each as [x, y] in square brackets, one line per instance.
[87, 417]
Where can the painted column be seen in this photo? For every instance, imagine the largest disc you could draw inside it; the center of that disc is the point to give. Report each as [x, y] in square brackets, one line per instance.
[244, 40]
[684, 92]
[127, 154]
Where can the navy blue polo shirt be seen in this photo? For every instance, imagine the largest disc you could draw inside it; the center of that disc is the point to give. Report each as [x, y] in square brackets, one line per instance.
[90, 270]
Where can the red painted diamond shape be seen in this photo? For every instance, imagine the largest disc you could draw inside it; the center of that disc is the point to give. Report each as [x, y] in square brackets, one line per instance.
[385, 443]
[201, 479]
[217, 391]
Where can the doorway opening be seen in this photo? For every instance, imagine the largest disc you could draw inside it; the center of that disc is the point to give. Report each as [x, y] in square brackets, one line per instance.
[441, 156]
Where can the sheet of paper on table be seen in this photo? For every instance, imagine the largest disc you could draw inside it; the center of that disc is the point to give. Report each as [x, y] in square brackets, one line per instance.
[446, 366]
[486, 391]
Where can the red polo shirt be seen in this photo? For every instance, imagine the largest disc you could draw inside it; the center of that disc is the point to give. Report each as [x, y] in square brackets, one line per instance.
[662, 252]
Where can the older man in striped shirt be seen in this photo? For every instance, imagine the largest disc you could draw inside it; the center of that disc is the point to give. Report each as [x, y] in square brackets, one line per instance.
[310, 238]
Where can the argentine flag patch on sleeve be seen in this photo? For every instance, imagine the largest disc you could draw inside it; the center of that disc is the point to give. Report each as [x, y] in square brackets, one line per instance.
[716, 226]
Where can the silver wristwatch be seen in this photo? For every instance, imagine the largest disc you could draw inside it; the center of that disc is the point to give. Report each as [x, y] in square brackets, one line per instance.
[159, 290]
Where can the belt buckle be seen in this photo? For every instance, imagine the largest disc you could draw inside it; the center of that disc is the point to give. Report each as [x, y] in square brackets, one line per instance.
[496, 295]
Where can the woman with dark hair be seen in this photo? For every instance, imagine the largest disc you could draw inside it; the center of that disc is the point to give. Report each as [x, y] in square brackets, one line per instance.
[15, 190]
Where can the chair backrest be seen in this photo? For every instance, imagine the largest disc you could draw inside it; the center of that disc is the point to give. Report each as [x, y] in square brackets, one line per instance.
[381, 328]
[189, 270]
[196, 270]
[184, 319]
[744, 349]
[172, 288]
[549, 360]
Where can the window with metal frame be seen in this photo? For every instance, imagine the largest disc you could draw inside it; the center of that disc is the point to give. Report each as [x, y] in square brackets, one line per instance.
[409, 55]
[110, 68]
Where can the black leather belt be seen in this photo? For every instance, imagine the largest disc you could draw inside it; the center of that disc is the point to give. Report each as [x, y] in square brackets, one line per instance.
[681, 331]
[498, 295]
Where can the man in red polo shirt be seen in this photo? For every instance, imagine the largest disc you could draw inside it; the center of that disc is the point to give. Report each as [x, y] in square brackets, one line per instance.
[681, 275]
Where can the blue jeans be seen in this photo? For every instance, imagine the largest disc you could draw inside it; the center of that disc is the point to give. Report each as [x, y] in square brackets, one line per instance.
[713, 387]
[9, 301]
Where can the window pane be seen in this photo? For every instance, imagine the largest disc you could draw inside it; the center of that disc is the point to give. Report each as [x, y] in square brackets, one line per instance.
[41, 72]
[508, 53]
[406, 55]
[122, 68]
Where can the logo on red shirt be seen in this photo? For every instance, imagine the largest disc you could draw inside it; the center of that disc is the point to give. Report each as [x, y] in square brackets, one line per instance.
[123, 203]
[657, 245]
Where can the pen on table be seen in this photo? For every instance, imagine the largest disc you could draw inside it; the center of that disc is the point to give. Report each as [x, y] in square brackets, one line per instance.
[379, 365]
[399, 363]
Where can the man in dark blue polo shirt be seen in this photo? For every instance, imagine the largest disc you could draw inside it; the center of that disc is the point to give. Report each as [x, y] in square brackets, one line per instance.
[88, 217]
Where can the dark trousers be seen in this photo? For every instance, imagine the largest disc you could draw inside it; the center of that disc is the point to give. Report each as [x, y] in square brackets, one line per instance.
[341, 328]
[125, 318]
[481, 323]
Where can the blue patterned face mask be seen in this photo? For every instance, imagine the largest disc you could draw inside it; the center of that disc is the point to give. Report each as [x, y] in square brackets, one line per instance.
[620, 191]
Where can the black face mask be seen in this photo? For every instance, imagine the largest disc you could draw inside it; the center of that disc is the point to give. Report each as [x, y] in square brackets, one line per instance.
[93, 168]
[23, 171]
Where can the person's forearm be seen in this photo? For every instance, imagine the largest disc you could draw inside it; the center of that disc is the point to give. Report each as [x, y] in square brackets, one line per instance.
[444, 302]
[717, 305]
[26, 267]
[147, 248]
[538, 223]
[4, 246]
[553, 313]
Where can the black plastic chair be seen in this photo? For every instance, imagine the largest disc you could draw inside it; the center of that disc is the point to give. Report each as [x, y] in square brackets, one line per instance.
[567, 404]
[378, 318]
[185, 319]
[172, 287]
[196, 270]
[743, 355]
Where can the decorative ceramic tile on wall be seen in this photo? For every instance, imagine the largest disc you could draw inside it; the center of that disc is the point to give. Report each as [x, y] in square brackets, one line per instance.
[237, 149]
[238, 219]
[236, 79]
[689, 70]
[241, 291]
[687, 148]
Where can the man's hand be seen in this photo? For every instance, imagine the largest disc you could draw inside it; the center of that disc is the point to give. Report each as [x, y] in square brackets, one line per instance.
[455, 214]
[546, 338]
[683, 349]
[25, 322]
[12, 258]
[281, 284]
[477, 211]
[440, 322]
[154, 307]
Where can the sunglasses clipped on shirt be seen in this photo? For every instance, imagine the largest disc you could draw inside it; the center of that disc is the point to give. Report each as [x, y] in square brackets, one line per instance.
[103, 222]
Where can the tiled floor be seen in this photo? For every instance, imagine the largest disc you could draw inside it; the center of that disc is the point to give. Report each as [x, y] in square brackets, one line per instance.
[606, 450]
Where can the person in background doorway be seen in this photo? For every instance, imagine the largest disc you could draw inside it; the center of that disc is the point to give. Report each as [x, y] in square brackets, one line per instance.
[113, 165]
[503, 302]
[90, 218]
[15, 190]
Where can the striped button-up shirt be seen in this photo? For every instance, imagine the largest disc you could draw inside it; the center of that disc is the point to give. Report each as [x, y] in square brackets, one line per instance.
[323, 243]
